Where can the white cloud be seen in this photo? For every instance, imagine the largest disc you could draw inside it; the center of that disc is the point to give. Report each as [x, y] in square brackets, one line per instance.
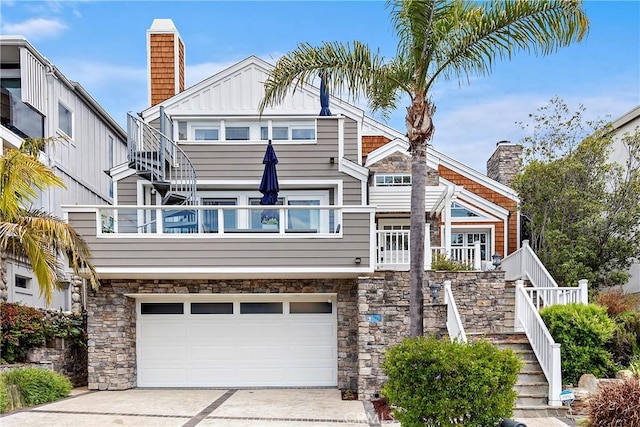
[98, 74]
[35, 28]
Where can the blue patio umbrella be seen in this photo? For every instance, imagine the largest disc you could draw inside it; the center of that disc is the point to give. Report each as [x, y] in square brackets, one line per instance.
[324, 96]
[269, 185]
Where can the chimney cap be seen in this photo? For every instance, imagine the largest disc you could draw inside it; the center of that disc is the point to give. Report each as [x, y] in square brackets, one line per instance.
[163, 25]
[503, 142]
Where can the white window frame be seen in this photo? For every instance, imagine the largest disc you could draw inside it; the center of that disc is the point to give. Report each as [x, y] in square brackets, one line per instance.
[243, 198]
[60, 130]
[392, 176]
[255, 126]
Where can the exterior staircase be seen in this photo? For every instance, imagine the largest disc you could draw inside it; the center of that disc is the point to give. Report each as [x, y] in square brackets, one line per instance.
[154, 156]
[532, 386]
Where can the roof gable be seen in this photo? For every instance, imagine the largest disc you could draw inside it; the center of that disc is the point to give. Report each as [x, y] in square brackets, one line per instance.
[238, 89]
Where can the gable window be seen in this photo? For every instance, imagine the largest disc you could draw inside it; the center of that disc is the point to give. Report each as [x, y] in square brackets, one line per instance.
[389, 180]
[299, 133]
[65, 120]
[279, 133]
[459, 211]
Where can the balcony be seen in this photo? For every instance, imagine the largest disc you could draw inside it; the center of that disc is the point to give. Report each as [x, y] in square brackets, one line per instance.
[393, 252]
[195, 241]
[20, 118]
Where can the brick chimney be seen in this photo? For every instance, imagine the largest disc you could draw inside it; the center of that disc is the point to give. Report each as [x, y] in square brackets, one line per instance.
[504, 163]
[165, 61]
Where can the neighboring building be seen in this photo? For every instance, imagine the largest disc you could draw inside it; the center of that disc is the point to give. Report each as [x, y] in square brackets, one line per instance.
[38, 101]
[197, 291]
[627, 124]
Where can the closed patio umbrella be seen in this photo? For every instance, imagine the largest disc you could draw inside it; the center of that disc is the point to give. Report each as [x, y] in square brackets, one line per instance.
[324, 96]
[269, 186]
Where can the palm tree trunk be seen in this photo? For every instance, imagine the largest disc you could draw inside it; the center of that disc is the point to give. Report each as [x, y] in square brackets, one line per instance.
[4, 281]
[419, 131]
[416, 241]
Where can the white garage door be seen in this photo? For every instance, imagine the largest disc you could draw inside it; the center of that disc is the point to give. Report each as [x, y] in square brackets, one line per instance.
[241, 341]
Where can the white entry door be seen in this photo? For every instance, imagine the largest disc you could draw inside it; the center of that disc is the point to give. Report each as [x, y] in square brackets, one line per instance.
[240, 341]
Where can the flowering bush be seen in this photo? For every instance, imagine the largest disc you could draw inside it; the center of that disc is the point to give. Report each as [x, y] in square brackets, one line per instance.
[22, 328]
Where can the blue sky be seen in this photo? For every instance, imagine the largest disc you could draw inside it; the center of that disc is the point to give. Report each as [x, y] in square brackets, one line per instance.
[101, 44]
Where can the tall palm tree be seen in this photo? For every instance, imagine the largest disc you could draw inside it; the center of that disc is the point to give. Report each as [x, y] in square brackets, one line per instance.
[437, 40]
[32, 234]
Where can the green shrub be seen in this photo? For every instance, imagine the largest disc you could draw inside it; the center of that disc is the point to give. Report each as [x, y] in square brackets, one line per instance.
[4, 400]
[441, 262]
[22, 329]
[625, 342]
[634, 367]
[583, 330]
[439, 383]
[36, 385]
[615, 404]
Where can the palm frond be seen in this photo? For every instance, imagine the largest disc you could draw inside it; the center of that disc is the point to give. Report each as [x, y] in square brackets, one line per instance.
[482, 33]
[21, 176]
[352, 67]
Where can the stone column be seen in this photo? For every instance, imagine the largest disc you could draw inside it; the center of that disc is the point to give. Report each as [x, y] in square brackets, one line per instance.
[4, 282]
[77, 285]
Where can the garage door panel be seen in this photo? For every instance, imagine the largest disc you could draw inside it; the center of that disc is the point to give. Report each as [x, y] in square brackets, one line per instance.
[213, 353]
[237, 350]
[166, 376]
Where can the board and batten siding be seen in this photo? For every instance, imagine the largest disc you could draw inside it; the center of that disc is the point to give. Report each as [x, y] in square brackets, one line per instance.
[86, 155]
[138, 251]
[298, 162]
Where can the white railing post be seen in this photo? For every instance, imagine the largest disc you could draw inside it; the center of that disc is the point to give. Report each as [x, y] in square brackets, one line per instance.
[555, 383]
[517, 324]
[523, 258]
[584, 291]
[477, 262]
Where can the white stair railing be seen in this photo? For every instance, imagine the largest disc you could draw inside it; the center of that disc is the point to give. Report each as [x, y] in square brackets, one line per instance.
[525, 264]
[545, 297]
[455, 328]
[547, 351]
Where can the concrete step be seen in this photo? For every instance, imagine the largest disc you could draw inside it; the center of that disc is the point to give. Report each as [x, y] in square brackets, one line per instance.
[540, 411]
[531, 399]
[531, 377]
[532, 387]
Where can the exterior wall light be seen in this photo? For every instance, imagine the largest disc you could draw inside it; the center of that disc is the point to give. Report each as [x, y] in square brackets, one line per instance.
[434, 287]
[496, 261]
[358, 260]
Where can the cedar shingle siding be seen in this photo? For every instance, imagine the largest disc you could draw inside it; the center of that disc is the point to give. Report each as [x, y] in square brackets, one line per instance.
[163, 84]
[494, 197]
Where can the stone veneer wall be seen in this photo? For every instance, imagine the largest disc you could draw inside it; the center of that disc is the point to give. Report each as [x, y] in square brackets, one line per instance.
[401, 163]
[504, 163]
[112, 322]
[479, 297]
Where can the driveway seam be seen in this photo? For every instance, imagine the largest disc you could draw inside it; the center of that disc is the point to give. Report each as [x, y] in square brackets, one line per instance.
[209, 409]
[303, 419]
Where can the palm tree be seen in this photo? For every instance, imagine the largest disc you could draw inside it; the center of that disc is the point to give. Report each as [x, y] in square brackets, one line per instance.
[32, 234]
[437, 40]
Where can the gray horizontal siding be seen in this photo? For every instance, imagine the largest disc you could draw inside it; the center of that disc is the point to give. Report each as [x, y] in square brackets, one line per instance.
[135, 251]
[128, 190]
[351, 140]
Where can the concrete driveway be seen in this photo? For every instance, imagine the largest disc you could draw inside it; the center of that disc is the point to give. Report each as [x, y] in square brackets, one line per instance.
[207, 407]
[201, 407]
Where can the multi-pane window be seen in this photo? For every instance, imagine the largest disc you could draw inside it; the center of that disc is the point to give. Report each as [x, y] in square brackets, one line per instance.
[65, 120]
[393, 180]
[22, 282]
[210, 216]
[237, 133]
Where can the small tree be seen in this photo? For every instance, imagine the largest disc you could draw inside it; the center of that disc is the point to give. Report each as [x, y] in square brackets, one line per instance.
[580, 212]
[440, 383]
[36, 235]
